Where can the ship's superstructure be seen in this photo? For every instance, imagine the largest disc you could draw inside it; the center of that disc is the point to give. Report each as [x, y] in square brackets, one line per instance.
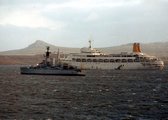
[47, 67]
[91, 58]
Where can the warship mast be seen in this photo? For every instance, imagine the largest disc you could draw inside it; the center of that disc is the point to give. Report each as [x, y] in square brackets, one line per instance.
[47, 55]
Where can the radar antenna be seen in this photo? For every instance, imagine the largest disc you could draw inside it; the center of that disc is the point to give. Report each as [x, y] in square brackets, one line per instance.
[47, 53]
[58, 56]
[90, 42]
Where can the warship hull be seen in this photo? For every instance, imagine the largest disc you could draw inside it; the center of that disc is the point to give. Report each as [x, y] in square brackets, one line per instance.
[50, 71]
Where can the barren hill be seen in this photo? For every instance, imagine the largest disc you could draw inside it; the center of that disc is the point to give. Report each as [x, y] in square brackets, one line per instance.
[159, 49]
[39, 47]
[33, 53]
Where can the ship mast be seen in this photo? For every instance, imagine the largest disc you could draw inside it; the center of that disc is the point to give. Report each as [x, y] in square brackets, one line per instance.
[58, 56]
[47, 55]
[90, 42]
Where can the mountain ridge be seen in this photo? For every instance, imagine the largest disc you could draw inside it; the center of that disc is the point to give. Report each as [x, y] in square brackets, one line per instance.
[159, 49]
[38, 47]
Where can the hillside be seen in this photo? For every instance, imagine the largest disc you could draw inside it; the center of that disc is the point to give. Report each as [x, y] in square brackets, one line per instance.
[20, 59]
[159, 49]
[33, 54]
[39, 47]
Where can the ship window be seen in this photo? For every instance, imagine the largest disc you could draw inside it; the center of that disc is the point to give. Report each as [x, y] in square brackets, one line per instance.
[147, 60]
[90, 55]
[73, 59]
[89, 60]
[117, 60]
[78, 60]
[135, 55]
[136, 60]
[94, 60]
[100, 60]
[130, 60]
[116, 56]
[83, 60]
[124, 60]
[129, 56]
[106, 60]
[154, 59]
[142, 59]
[111, 60]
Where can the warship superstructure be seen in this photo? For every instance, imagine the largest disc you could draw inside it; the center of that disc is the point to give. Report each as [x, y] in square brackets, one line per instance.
[47, 67]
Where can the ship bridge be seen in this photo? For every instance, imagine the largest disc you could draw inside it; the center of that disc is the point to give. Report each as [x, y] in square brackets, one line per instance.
[90, 51]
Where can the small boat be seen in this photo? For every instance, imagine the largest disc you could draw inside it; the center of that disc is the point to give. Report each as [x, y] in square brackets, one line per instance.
[47, 68]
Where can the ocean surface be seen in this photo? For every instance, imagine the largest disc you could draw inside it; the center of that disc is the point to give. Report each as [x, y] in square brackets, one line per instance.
[100, 95]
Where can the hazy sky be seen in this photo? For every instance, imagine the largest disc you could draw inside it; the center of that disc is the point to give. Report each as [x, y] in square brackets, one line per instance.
[70, 23]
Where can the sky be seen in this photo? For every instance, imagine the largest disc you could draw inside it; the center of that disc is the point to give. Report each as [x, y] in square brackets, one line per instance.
[71, 23]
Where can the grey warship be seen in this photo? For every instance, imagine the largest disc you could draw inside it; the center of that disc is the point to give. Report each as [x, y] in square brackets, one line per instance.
[46, 68]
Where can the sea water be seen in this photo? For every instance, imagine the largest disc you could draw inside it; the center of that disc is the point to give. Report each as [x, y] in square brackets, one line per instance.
[100, 95]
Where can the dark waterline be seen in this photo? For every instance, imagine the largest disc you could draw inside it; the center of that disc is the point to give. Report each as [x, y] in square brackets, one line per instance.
[100, 95]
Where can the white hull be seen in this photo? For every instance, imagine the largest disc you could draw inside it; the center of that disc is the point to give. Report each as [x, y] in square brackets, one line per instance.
[90, 58]
[98, 65]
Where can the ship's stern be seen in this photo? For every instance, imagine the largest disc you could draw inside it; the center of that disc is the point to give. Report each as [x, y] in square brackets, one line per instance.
[159, 64]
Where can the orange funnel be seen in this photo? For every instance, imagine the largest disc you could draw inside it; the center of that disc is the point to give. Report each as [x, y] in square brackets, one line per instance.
[136, 48]
[139, 48]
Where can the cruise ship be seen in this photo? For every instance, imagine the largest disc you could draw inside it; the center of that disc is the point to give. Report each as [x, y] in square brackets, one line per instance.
[90, 58]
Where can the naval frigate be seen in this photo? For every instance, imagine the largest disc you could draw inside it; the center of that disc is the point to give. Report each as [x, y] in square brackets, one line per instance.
[46, 67]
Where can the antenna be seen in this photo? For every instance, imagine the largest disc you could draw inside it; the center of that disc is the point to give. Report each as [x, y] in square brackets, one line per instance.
[47, 53]
[58, 55]
[48, 48]
[90, 41]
